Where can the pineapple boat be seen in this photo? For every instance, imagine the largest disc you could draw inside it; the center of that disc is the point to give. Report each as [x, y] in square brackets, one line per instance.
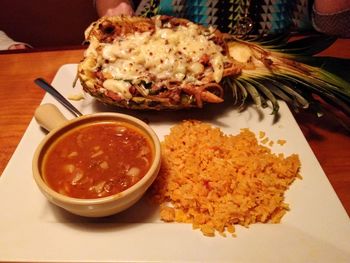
[171, 63]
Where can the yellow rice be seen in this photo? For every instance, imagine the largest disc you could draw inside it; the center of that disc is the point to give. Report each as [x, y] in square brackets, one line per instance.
[215, 181]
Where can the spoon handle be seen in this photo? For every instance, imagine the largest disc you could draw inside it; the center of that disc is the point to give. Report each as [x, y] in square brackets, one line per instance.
[58, 96]
[49, 116]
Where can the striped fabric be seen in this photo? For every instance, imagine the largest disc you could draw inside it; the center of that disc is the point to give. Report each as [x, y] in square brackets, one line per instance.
[255, 16]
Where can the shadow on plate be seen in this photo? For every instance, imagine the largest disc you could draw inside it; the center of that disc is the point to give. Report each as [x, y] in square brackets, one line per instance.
[209, 113]
[144, 211]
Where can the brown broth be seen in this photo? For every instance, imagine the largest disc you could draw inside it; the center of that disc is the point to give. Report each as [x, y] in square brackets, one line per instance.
[97, 160]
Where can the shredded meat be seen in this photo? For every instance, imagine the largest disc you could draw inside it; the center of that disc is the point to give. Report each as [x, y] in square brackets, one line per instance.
[166, 93]
[111, 29]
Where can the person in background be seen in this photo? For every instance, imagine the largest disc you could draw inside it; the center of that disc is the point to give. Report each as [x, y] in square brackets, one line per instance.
[332, 17]
[113, 7]
[7, 43]
[329, 17]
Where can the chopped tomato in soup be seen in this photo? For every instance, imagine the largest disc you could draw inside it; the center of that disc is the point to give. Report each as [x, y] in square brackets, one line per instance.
[97, 160]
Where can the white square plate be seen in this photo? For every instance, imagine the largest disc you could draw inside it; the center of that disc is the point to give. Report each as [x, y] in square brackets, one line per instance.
[316, 229]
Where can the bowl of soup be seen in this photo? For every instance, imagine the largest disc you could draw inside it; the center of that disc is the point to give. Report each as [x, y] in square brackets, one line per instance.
[95, 165]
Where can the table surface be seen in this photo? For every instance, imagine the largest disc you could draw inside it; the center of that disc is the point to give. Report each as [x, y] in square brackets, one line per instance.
[19, 97]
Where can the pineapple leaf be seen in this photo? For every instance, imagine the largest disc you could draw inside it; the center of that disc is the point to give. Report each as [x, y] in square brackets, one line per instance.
[272, 41]
[290, 71]
[277, 90]
[298, 99]
[251, 90]
[339, 67]
[244, 93]
[308, 46]
[238, 91]
[234, 88]
[264, 90]
[321, 90]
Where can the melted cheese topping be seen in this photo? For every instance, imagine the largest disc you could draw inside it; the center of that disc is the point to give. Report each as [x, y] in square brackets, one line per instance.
[165, 55]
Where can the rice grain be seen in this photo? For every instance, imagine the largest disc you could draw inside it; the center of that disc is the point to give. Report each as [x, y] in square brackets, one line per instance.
[215, 181]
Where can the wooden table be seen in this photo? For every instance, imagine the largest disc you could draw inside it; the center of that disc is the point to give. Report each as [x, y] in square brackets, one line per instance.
[19, 97]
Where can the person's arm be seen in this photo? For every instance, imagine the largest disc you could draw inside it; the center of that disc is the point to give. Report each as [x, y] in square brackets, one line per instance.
[332, 17]
[331, 7]
[8, 43]
[114, 7]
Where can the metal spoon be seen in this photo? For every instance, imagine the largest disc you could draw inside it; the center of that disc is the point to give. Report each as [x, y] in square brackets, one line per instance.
[58, 96]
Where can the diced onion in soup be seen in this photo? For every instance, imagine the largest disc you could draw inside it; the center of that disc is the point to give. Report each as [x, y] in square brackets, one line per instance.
[97, 160]
[133, 171]
[104, 165]
[78, 176]
[69, 168]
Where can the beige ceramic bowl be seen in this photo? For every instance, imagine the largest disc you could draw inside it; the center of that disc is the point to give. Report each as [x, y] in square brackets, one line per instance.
[51, 119]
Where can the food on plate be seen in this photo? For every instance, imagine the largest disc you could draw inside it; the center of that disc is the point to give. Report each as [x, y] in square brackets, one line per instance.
[281, 142]
[76, 97]
[97, 159]
[165, 62]
[159, 63]
[216, 181]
